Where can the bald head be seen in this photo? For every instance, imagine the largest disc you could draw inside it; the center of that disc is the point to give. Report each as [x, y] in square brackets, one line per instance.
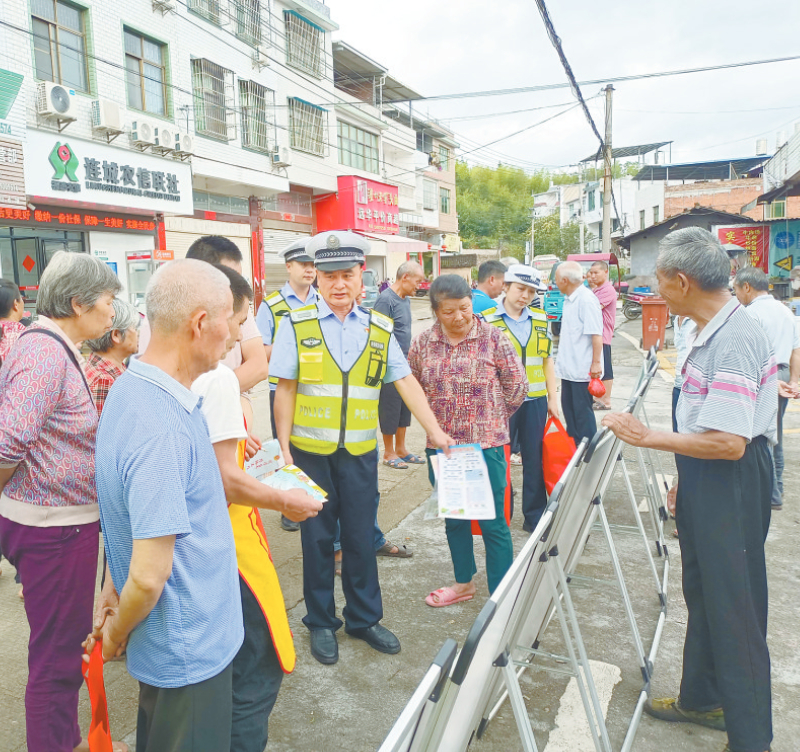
[179, 289]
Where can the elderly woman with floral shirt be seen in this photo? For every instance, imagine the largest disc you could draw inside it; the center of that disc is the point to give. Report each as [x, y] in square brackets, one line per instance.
[474, 381]
[49, 517]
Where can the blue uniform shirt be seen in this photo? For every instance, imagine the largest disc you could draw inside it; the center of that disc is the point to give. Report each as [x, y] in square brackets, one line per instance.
[345, 340]
[157, 475]
[265, 321]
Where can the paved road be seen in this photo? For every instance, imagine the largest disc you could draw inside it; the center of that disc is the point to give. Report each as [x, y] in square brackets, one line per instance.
[352, 705]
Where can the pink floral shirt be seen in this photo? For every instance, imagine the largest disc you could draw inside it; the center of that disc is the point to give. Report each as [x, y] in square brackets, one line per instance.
[48, 423]
[11, 332]
[473, 387]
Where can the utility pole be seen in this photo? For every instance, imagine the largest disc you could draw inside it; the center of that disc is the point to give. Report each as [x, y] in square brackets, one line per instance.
[581, 223]
[607, 175]
[533, 232]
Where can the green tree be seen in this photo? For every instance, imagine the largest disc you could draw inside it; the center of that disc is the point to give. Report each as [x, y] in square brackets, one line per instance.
[551, 238]
[495, 205]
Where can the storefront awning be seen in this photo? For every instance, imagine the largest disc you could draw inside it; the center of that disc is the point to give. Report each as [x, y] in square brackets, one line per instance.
[398, 243]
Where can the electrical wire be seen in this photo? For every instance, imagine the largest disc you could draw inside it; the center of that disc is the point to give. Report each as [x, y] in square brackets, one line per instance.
[556, 42]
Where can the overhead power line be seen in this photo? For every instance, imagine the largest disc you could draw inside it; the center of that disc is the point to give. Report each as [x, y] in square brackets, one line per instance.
[597, 81]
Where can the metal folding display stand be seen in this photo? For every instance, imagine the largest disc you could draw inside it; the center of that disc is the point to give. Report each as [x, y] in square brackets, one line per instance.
[505, 639]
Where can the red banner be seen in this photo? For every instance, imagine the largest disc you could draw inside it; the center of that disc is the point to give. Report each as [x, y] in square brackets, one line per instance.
[755, 240]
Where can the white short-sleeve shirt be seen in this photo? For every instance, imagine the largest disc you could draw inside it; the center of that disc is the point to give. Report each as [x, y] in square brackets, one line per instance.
[220, 404]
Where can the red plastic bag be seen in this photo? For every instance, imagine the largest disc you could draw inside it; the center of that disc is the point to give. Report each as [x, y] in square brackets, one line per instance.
[508, 511]
[99, 731]
[557, 450]
[597, 388]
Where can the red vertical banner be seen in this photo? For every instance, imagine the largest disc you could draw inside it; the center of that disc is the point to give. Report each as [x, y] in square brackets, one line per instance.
[257, 265]
[755, 240]
[161, 233]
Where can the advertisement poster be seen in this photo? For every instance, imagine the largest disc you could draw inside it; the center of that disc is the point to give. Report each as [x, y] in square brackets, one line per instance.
[755, 240]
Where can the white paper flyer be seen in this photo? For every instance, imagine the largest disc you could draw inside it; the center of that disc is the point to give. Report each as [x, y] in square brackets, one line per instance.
[462, 482]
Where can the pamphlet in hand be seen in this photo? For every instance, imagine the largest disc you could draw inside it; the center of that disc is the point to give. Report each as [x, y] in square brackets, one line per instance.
[269, 467]
[462, 482]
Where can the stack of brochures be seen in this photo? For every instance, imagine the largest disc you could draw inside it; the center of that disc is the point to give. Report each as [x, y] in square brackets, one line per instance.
[269, 467]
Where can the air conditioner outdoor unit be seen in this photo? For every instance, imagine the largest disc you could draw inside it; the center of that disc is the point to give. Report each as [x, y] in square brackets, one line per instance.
[106, 116]
[56, 101]
[282, 157]
[164, 139]
[183, 144]
[143, 133]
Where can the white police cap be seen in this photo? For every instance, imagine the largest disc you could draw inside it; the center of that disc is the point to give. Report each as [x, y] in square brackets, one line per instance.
[525, 275]
[297, 251]
[337, 249]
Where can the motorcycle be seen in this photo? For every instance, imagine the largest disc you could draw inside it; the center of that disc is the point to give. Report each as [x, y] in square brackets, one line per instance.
[632, 306]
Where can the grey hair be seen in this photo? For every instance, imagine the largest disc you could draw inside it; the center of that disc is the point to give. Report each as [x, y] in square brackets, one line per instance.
[754, 277]
[74, 277]
[125, 317]
[696, 253]
[448, 287]
[572, 270]
[408, 267]
[180, 288]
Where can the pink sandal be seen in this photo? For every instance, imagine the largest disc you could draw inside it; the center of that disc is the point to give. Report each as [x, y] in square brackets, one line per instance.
[446, 597]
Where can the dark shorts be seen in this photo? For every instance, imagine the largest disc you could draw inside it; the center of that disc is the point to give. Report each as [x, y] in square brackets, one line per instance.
[608, 369]
[392, 411]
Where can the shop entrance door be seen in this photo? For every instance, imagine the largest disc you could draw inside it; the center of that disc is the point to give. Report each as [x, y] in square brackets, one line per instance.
[30, 254]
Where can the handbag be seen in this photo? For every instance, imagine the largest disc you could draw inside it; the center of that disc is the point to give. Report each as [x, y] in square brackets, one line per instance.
[557, 450]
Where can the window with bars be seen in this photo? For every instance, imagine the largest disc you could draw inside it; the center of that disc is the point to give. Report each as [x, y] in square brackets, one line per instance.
[145, 74]
[212, 87]
[656, 215]
[257, 109]
[304, 42]
[357, 148]
[208, 9]
[59, 43]
[429, 195]
[424, 142]
[444, 200]
[775, 209]
[444, 157]
[246, 18]
[307, 127]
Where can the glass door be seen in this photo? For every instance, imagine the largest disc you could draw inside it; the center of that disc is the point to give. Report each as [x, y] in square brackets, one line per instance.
[28, 266]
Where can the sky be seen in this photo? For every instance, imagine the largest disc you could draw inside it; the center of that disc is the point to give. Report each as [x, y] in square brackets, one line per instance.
[447, 46]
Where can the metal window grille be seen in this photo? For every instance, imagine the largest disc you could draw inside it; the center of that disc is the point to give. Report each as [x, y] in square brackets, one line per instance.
[292, 202]
[207, 8]
[303, 44]
[246, 18]
[444, 200]
[357, 148]
[307, 126]
[59, 43]
[429, 195]
[214, 113]
[257, 108]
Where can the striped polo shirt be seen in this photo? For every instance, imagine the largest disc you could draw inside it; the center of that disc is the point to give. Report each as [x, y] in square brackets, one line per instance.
[730, 378]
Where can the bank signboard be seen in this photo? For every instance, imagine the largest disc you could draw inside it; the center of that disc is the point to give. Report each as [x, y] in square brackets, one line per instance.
[91, 172]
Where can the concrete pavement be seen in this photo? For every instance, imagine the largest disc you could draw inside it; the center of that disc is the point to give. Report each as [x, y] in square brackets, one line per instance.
[353, 704]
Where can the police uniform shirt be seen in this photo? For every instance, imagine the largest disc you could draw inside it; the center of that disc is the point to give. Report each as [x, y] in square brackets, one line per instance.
[520, 328]
[266, 321]
[345, 341]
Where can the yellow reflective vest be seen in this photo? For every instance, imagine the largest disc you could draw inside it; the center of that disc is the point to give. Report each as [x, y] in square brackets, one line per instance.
[336, 408]
[278, 308]
[254, 560]
[533, 353]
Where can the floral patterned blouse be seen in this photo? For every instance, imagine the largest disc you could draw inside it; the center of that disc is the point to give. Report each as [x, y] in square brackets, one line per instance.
[473, 387]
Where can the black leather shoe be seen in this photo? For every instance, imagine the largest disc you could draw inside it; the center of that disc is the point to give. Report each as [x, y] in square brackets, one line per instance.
[324, 646]
[377, 637]
[288, 525]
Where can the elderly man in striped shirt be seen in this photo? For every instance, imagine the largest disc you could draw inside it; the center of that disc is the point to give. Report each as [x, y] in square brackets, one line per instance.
[726, 423]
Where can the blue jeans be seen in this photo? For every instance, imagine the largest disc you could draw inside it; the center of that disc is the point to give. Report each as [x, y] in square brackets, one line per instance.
[380, 538]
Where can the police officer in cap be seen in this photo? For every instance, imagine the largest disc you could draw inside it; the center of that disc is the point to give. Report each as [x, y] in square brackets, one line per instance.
[520, 317]
[296, 293]
[330, 364]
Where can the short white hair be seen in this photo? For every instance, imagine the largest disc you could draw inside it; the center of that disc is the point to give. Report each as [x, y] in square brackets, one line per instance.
[125, 317]
[571, 270]
[409, 267]
[180, 288]
[75, 277]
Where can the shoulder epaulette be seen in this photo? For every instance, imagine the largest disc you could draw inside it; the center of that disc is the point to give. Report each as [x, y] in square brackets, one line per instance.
[382, 321]
[306, 313]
